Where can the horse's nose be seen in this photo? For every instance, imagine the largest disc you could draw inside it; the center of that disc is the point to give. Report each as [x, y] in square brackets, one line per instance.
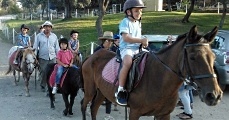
[213, 99]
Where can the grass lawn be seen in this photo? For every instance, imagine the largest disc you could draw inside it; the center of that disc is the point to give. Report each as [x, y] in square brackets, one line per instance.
[152, 23]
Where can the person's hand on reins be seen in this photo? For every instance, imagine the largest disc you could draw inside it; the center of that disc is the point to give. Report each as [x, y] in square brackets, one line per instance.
[66, 65]
[144, 42]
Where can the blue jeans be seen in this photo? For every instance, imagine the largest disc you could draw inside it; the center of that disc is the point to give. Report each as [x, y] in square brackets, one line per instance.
[60, 70]
[185, 98]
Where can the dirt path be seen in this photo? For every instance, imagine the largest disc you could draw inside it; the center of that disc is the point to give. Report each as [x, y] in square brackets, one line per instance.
[15, 106]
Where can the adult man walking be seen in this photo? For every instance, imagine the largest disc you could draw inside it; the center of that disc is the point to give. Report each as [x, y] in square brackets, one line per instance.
[48, 45]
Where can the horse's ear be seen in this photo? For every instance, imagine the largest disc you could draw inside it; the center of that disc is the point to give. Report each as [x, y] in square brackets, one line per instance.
[211, 35]
[192, 33]
[33, 49]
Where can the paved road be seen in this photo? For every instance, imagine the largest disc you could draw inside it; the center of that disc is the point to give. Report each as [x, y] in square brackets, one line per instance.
[15, 106]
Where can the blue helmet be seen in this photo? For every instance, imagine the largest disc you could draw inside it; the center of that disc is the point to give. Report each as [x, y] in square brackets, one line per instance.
[116, 36]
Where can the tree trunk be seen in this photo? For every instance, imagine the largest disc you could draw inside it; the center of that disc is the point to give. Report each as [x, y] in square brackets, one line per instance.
[188, 14]
[169, 6]
[102, 10]
[223, 15]
[68, 8]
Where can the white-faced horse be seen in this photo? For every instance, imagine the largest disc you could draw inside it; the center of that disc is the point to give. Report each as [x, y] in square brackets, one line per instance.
[26, 65]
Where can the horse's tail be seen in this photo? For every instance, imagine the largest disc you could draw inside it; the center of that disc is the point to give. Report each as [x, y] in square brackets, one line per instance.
[9, 70]
[81, 74]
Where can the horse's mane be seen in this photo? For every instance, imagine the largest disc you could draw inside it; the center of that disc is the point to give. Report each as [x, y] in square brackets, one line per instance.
[182, 37]
[26, 52]
[178, 39]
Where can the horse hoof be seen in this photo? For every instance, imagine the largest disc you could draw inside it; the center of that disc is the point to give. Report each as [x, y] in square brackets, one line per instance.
[27, 95]
[70, 113]
[53, 107]
[65, 113]
[115, 109]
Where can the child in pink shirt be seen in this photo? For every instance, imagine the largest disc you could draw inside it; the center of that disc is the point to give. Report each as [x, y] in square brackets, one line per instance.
[64, 59]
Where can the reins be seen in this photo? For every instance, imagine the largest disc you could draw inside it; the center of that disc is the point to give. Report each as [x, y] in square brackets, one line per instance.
[185, 62]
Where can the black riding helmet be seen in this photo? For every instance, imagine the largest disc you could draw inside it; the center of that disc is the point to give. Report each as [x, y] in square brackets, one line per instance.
[63, 40]
[129, 4]
[24, 26]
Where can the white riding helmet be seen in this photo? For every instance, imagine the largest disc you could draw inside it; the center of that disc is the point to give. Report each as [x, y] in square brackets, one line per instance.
[47, 23]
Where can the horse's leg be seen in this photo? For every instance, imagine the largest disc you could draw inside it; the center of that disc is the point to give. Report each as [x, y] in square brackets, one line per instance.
[97, 101]
[26, 80]
[72, 98]
[18, 76]
[65, 97]
[15, 79]
[89, 93]
[51, 97]
[134, 114]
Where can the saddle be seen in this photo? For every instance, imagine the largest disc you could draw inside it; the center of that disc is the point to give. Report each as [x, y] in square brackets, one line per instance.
[53, 77]
[135, 75]
[111, 71]
[18, 58]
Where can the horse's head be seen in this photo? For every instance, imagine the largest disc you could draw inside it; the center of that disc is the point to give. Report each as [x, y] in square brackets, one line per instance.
[29, 61]
[198, 64]
[77, 60]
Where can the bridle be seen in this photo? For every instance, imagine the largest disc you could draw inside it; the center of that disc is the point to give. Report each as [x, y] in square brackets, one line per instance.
[189, 78]
[28, 64]
[194, 77]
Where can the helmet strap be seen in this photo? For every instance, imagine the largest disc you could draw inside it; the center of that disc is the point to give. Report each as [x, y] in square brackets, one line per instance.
[132, 15]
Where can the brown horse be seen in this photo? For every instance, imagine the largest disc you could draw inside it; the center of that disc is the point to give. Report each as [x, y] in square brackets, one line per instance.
[27, 65]
[156, 94]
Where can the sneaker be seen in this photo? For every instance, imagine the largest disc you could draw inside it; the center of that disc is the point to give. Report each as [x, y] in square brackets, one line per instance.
[54, 90]
[121, 98]
[15, 62]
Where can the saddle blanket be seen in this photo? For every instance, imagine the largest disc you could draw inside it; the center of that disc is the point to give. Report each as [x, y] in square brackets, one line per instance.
[13, 49]
[111, 69]
[53, 77]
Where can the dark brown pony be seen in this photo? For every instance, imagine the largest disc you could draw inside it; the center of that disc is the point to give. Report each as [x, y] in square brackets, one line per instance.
[77, 60]
[72, 83]
[27, 66]
[156, 94]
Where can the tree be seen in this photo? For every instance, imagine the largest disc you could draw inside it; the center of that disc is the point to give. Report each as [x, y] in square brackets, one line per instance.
[169, 5]
[223, 14]
[102, 10]
[43, 4]
[188, 14]
[7, 3]
[68, 7]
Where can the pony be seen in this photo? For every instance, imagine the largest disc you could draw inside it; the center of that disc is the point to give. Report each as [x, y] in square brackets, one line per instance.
[77, 60]
[71, 84]
[156, 93]
[26, 66]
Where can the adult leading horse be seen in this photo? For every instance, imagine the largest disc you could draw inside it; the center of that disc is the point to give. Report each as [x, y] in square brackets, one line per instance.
[157, 92]
[26, 66]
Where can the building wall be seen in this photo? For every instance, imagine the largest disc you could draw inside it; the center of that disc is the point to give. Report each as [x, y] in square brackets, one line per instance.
[153, 5]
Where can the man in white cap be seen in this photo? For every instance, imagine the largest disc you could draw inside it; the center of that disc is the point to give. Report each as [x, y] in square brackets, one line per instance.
[48, 45]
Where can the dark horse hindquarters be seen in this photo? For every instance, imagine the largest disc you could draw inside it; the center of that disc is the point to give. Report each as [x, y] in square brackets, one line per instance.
[71, 85]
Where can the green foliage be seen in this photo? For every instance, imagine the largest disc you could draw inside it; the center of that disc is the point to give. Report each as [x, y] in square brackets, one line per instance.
[152, 23]
[14, 9]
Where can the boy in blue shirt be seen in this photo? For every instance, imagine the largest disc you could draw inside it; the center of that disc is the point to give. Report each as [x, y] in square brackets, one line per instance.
[23, 41]
[130, 40]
